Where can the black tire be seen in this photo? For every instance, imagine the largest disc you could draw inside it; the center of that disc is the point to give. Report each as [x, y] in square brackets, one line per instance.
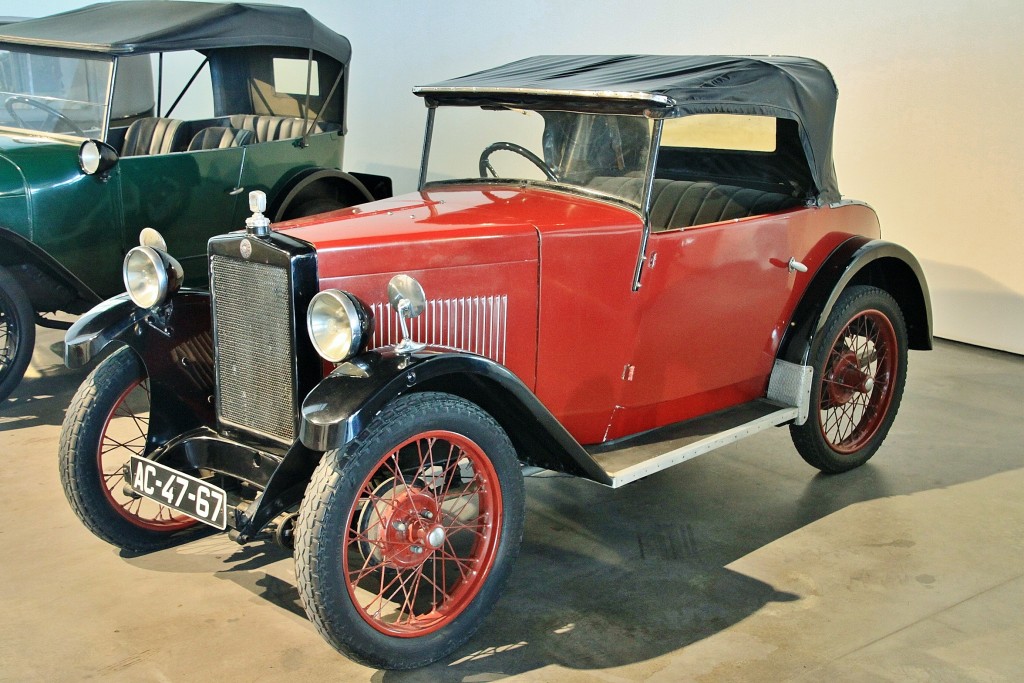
[106, 423]
[370, 506]
[17, 333]
[860, 369]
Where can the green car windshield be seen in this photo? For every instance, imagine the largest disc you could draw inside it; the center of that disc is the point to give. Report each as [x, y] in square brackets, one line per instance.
[54, 93]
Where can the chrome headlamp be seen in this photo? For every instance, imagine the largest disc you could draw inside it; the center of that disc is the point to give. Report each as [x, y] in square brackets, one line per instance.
[150, 276]
[338, 324]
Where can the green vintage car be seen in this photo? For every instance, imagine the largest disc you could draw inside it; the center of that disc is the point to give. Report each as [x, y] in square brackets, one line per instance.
[123, 116]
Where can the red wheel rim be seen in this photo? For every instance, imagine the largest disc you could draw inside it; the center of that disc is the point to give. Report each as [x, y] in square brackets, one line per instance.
[124, 434]
[422, 534]
[857, 382]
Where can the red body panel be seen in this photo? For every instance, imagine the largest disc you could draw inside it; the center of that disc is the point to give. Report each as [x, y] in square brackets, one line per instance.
[542, 282]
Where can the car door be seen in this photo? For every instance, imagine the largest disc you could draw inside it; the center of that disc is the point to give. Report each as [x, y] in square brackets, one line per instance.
[714, 303]
[187, 196]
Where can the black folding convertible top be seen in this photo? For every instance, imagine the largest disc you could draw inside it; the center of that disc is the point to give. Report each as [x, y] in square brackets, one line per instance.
[147, 26]
[661, 86]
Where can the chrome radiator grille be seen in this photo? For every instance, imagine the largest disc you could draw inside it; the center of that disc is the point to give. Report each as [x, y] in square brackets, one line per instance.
[253, 346]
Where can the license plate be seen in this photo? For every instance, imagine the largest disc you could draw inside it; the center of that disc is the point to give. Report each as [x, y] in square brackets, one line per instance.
[194, 497]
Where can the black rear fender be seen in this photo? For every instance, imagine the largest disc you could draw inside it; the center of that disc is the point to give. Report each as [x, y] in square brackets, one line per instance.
[345, 189]
[861, 261]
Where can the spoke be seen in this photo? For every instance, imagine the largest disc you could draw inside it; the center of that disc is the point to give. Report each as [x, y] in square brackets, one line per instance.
[471, 528]
[449, 470]
[467, 494]
[459, 562]
[406, 602]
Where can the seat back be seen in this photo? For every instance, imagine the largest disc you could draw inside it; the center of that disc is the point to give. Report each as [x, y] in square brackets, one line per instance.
[220, 137]
[268, 128]
[154, 135]
[683, 203]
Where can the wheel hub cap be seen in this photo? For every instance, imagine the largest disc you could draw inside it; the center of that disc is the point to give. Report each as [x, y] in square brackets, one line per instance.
[400, 526]
[847, 379]
[436, 537]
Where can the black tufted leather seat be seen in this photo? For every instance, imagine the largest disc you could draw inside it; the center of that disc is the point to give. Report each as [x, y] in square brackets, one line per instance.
[220, 137]
[153, 135]
[683, 203]
[268, 128]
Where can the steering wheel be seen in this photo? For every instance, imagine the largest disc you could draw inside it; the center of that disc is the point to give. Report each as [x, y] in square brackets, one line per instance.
[485, 163]
[21, 99]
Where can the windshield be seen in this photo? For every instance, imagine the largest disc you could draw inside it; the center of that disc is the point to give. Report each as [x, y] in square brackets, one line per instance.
[590, 152]
[44, 92]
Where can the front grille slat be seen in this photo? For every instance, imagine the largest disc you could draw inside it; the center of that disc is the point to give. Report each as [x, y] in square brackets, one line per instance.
[253, 343]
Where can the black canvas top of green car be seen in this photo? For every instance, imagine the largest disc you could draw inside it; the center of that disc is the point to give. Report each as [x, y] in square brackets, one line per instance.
[148, 26]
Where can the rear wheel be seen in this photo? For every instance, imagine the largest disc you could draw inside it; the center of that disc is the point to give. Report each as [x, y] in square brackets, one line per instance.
[107, 423]
[860, 368]
[406, 538]
[17, 333]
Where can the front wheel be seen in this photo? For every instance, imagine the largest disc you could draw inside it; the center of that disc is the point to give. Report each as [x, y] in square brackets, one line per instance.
[860, 368]
[107, 423]
[406, 538]
[17, 333]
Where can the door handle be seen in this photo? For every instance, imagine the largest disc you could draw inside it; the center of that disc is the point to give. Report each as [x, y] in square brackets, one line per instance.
[795, 265]
[236, 191]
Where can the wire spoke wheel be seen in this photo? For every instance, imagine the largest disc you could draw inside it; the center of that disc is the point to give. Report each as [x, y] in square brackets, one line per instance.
[106, 424]
[860, 368]
[858, 383]
[124, 435]
[17, 333]
[406, 537]
[420, 544]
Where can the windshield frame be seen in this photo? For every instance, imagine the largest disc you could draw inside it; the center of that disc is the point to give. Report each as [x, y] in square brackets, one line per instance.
[640, 207]
[108, 94]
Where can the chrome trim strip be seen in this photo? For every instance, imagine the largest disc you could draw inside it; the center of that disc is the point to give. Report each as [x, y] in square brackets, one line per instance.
[663, 100]
[427, 136]
[645, 200]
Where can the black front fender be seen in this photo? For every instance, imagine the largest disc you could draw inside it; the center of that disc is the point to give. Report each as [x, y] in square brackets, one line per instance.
[344, 402]
[174, 343]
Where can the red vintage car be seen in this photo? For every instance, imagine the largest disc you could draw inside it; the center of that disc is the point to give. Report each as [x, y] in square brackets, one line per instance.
[612, 265]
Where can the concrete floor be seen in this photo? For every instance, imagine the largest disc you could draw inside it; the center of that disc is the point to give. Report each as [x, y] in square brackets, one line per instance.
[743, 565]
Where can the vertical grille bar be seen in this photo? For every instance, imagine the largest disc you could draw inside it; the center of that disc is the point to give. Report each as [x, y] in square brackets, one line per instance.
[253, 346]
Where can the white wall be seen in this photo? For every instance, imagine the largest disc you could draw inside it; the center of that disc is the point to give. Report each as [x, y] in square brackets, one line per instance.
[928, 128]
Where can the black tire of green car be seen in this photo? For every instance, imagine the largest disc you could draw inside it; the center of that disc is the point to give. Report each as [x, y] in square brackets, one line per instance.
[860, 369]
[17, 333]
[406, 537]
[108, 422]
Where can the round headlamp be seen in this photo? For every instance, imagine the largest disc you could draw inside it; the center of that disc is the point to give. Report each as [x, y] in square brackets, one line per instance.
[150, 276]
[338, 324]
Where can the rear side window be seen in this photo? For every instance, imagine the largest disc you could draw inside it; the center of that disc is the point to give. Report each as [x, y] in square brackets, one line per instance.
[722, 132]
[290, 76]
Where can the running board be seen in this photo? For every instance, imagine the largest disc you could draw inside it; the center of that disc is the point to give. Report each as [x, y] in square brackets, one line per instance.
[632, 458]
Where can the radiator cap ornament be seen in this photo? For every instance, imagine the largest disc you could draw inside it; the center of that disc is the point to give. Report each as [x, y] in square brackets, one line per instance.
[257, 224]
